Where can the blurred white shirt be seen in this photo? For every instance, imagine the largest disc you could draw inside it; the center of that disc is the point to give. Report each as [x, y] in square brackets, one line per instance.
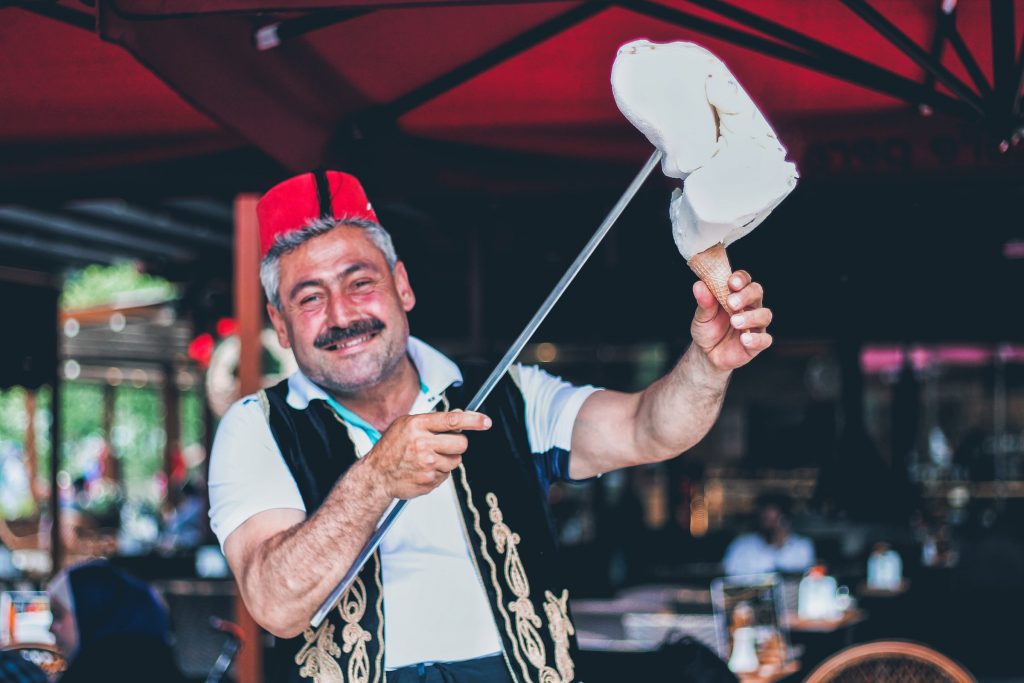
[752, 554]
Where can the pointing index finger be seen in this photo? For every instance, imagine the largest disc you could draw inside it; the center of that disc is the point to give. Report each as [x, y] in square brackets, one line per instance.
[456, 420]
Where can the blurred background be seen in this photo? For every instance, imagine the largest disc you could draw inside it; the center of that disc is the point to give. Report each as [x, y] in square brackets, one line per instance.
[890, 409]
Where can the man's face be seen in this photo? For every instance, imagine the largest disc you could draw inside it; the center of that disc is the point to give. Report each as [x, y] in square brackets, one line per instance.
[771, 520]
[343, 311]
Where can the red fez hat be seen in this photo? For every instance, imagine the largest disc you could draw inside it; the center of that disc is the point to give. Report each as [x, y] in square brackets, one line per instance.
[292, 204]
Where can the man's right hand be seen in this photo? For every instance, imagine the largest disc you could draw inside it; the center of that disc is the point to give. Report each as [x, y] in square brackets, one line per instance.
[418, 452]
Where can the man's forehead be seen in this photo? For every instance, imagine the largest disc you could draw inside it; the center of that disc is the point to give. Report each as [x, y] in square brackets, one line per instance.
[335, 250]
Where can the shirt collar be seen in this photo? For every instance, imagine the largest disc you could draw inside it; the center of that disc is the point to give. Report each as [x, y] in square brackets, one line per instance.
[437, 372]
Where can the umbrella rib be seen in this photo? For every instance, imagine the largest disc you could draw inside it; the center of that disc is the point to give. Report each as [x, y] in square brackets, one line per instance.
[894, 35]
[82, 20]
[271, 35]
[867, 75]
[812, 45]
[1020, 87]
[1003, 58]
[795, 38]
[473, 68]
[943, 22]
[967, 59]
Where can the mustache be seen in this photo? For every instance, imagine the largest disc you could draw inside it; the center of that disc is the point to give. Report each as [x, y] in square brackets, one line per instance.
[356, 329]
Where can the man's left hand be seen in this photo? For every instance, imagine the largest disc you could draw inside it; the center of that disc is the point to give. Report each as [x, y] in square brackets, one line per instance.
[731, 338]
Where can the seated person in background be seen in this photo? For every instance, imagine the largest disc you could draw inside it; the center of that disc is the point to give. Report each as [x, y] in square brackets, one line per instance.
[773, 547]
[110, 626]
[76, 522]
[185, 524]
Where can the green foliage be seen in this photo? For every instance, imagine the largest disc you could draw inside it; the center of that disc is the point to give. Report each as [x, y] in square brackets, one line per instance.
[98, 285]
[191, 418]
[13, 415]
[81, 412]
[138, 434]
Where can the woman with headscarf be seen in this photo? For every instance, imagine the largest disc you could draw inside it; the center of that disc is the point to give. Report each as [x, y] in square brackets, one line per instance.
[110, 626]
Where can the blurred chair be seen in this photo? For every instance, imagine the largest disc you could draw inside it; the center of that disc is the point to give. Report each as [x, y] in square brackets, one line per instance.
[889, 661]
[46, 657]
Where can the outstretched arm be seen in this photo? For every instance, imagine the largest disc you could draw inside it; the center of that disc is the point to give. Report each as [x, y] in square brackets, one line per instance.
[615, 430]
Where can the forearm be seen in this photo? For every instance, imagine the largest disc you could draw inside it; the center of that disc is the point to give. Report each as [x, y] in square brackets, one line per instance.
[675, 413]
[291, 573]
[286, 567]
[615, 430]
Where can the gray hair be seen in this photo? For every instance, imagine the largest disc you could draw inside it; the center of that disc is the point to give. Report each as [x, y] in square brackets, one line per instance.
[270, 266]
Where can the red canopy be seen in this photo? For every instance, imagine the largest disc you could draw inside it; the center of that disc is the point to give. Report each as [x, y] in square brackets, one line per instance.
[443, 106]
[351, 79]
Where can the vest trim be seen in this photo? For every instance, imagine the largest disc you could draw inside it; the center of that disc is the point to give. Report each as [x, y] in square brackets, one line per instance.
[524, 638]
[494, 574]
[319, 657]
[381, 673]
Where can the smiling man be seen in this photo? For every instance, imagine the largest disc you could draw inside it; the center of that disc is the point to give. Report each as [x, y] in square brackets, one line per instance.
[466, 586]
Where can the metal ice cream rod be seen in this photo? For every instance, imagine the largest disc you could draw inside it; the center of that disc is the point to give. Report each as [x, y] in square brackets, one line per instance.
[500, 369]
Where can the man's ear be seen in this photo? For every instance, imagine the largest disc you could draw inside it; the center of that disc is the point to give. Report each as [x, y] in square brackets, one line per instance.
[277, 320]
[405, 293]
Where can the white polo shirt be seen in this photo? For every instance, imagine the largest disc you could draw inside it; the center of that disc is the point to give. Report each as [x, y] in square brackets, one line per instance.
[435, 606]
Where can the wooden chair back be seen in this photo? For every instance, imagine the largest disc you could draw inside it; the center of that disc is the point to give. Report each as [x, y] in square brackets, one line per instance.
[889, 661]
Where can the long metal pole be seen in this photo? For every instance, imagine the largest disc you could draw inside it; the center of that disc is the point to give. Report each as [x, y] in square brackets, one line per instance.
[500, 369]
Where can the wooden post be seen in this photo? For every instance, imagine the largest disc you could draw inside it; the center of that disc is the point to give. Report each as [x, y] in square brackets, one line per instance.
[249, 314]
[172, 428]
[31, 454]
[56, 538]
[113, 471]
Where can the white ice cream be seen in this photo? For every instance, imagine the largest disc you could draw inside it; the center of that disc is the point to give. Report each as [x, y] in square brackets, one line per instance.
[691, 107]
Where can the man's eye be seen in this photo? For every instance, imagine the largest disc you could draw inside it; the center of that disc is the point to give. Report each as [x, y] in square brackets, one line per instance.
[362, 284]
[311, 299]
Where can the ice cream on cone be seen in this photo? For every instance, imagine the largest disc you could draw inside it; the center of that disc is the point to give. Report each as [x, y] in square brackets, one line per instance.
[714, 139]
[712, 267]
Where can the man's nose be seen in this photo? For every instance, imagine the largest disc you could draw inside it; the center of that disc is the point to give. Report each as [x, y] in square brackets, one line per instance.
[340, 311]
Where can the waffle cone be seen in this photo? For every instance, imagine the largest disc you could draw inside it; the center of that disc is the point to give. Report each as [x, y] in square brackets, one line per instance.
[712, 266]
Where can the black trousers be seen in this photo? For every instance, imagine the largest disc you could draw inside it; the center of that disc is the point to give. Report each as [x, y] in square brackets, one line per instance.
[483, 670]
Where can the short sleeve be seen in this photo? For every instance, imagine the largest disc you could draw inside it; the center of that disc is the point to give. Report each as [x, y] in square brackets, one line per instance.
[551, 405]
[248, 474]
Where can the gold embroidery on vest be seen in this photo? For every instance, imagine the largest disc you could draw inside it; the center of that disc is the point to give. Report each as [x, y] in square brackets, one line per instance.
[317, 657]
[527, 621]
[494, 575]
[380, 620]
[352, 607]
[560, 627]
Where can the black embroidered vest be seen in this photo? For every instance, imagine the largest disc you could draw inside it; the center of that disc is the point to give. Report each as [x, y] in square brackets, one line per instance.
[507, 526]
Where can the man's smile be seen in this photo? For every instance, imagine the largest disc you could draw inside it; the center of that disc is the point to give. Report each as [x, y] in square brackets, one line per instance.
[351, 345]
[351, 338]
